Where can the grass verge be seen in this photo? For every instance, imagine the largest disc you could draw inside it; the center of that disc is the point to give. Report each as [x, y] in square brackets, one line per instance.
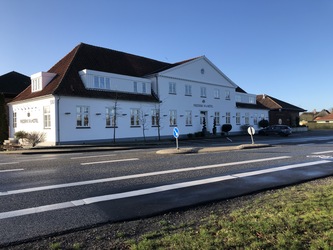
[297, 217]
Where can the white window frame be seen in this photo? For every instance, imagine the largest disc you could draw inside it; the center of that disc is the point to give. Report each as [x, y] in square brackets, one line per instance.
[216, 93]
[144, 88]
[14, 120]
[172, 88]
[82, 116]
[188, 118]
[173, 117]
[217, 118]
[47, 117]
[135, 117]
[203, 91]
[110, 117]
[227, 94]
[228, 118]
[155, 116]
[247, 118]
[238, 118]
[188, 90]
[255, 119]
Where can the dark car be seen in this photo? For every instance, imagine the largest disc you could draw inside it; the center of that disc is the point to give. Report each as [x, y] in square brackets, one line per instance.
[282, 130]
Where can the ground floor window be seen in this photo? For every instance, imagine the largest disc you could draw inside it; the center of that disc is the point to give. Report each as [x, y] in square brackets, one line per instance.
[173, 117]
[238, 118]
[14, 120]
[135, 117]
[47, 116]
[227, 118]
[255, 119]
[188, 118]
[110, 117]
[217, 118]
[82, 116]
[155, 116]
[247, 118]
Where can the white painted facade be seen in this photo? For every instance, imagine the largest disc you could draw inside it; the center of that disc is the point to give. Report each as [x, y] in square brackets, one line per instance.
[187, 93]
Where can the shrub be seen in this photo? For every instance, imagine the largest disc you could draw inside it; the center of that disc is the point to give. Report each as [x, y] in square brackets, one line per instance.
[226, 128]
[263, 123]
[33, 138]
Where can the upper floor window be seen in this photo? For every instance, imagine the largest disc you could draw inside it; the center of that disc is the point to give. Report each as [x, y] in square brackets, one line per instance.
[188, 90]
[172, 88]
[82, 116]
[135, 87]
[216, 93]
[227, 95]
[36, 84]
[101, 82]
[203, 92]
[252, 99]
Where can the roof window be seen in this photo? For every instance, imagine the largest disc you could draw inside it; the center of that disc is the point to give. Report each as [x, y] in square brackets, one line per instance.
[40, 80]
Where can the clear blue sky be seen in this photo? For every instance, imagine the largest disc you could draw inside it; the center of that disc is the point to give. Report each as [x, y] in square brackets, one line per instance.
[283, 48]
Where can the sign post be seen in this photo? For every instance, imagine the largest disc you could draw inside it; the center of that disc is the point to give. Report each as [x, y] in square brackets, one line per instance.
[251, 132]
[176, 135]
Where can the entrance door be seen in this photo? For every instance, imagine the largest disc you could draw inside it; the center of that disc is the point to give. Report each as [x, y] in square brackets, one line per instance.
[203, 116]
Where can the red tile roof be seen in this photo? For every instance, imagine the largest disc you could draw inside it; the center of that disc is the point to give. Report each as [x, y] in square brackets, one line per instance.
[276, 104]
[67, 81]
[328, 117]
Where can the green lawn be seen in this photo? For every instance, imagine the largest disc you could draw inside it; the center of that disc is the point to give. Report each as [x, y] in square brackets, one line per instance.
[298, 217]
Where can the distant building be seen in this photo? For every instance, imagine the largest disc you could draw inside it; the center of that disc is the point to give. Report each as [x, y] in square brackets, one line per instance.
[95, 94]
[11, 84]
[306, 117]
[280, 112]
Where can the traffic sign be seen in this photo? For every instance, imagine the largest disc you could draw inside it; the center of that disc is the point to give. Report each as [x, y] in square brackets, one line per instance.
[176, 132]
[251, 130]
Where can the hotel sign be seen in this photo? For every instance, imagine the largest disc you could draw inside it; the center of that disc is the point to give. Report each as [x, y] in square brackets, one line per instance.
[29, 120]
[203, 105]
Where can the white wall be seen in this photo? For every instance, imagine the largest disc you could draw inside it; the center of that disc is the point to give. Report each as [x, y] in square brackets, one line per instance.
[29, 117]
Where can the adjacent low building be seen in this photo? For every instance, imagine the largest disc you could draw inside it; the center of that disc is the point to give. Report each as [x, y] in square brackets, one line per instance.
[96, 94]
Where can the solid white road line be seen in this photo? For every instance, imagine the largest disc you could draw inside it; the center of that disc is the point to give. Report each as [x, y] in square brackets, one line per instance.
[111, 161]
[323, 152]
[11, 170]
[127, 177]
[91, 156]
[158, 189]
[8, 163]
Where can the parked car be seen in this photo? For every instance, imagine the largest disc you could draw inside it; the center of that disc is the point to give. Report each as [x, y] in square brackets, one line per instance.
[282, 130]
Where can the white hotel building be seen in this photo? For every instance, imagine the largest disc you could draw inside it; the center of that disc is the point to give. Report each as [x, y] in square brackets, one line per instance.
[95, 94]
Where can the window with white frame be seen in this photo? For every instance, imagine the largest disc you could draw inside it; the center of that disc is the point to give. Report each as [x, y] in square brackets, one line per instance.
[107, 83]
[82, 116]
[247, 118]
[188, 90]
[36, 84]
[172, 88]
[227, 118]
[227, 95]
[14, 120]
[135, 87]
[252, 99]
[203, 92]
[217, 118]
[216, 93]
[188, 118]
[135, 117]
[101, 82]
[238, 118]
[173, 117]
[144, 88]
[155, 116]
[47, 116]
[255, 119]
[110, 117]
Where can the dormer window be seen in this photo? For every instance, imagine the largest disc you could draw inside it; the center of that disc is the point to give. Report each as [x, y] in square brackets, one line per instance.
[40, 80]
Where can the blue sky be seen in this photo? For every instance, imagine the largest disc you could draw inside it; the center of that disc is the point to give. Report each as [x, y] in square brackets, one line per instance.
[283, 48]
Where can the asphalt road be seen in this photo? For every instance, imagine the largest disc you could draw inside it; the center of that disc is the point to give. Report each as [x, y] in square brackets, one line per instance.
[44, 194]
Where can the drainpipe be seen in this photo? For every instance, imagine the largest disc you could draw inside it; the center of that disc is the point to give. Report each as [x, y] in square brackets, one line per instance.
[58, 120]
